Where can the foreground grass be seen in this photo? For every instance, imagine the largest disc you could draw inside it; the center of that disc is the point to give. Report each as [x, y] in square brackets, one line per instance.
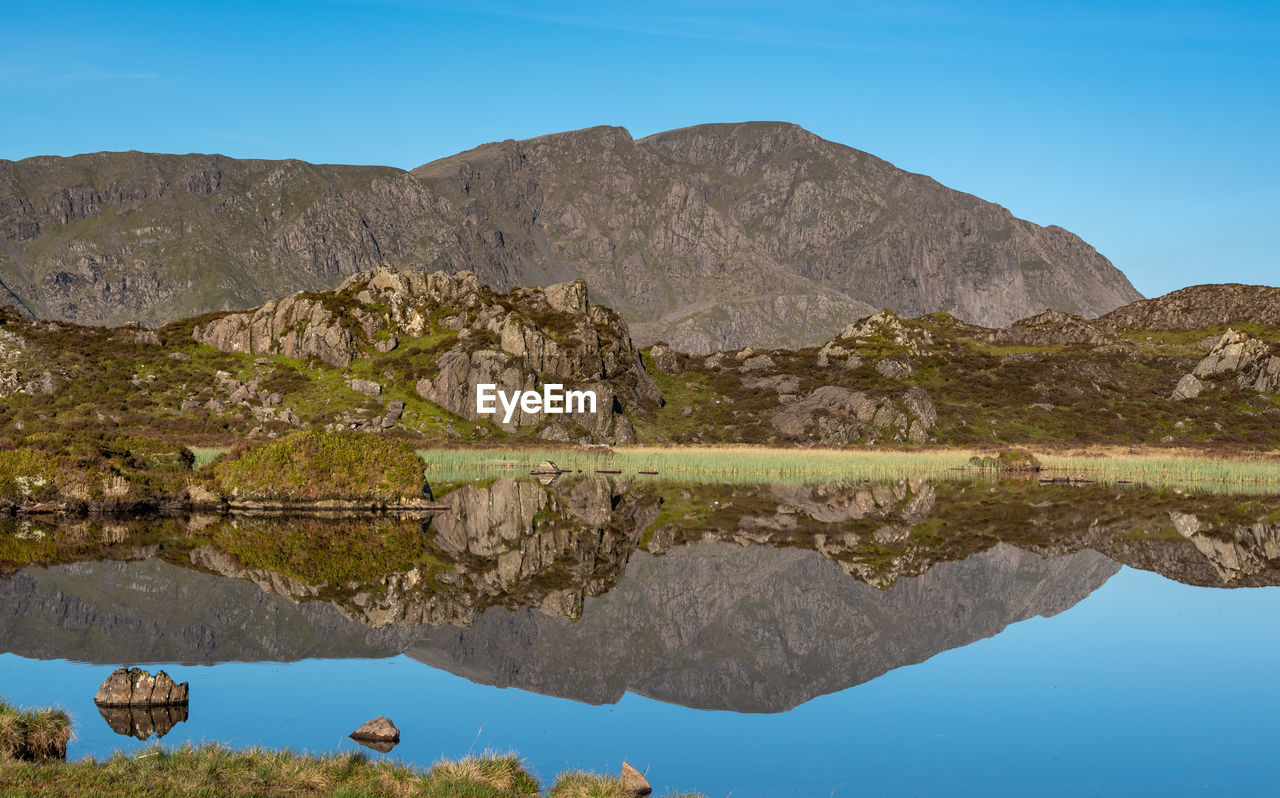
[214, 770]
[33, 734]
[756, 464]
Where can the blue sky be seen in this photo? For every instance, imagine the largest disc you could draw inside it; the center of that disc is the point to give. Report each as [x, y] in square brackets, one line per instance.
[1148, 128]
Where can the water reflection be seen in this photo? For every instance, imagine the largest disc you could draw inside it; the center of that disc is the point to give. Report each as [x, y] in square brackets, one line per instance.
[749, 598]
[143, 722]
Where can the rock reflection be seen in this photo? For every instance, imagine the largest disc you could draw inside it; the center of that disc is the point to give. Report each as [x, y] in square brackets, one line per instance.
[143, 722]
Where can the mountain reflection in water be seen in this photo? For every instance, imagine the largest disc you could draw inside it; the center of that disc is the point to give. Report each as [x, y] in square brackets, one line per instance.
[748, 598]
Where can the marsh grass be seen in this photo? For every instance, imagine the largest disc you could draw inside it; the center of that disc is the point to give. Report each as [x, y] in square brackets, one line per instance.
[755, 464]
[1163, 471]
[728, 464]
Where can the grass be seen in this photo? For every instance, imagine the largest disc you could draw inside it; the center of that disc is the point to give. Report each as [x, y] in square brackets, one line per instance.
[752, 464]
[33, 734]
[215, 770]
[316, 466]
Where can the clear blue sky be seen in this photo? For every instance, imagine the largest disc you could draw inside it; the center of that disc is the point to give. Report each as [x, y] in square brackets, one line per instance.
[1149, 128]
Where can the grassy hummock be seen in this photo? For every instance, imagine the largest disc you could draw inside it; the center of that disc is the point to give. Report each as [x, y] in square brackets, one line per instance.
[33, 734]
[215, 770]
[319, 466]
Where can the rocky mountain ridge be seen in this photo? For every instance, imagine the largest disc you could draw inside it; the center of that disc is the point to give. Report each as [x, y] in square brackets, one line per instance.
[710, 237]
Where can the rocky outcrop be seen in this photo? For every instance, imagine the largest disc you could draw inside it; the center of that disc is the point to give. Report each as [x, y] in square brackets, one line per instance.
[1199, 307]
[1249, 362]
[134, 687]
[17, 371]
[709, 237]
[517, 341]
[1054, 327]
[834, 416]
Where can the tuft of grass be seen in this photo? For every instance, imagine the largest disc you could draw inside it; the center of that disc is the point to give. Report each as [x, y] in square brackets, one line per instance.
[33, 734]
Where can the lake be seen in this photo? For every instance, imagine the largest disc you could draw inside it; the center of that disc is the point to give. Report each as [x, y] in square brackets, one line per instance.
[906, 637]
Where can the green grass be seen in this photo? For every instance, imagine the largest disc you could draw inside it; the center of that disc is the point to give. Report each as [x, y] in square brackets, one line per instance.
[316, 466]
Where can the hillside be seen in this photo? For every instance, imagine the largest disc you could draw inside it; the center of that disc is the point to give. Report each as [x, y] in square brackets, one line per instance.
[710, 237]
[402, 353]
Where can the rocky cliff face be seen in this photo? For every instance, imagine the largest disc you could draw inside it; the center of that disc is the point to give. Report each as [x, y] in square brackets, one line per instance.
[115, 237]
[516, 341]
[717, 236]
[710, 237]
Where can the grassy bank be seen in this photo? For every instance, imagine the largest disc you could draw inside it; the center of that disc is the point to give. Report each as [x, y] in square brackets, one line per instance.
[33, 734]
[213, 770]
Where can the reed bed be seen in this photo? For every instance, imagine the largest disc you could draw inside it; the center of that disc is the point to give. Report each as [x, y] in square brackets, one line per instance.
[758, 464]
[1251, 476]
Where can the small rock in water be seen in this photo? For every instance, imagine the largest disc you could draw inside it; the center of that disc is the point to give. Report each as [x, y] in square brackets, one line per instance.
[380, 734]
[633, 782]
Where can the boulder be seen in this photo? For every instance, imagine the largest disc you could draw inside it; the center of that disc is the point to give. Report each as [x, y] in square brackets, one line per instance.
[894, 369]
[135, 687]
[367, 387]
[634, 783]
[665, 359]
[379, 734]
[1189, 387]
[757, 363]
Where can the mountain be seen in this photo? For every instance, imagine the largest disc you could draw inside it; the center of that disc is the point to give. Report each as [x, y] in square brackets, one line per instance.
[717, 626]
[708, 237]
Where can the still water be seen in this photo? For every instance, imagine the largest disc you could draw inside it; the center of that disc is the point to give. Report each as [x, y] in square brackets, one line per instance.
[817, 641]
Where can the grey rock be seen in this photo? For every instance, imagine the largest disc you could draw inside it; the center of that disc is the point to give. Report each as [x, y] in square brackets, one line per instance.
[894, 369]
[367, 387]
[1189, 387]
[665, 359]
